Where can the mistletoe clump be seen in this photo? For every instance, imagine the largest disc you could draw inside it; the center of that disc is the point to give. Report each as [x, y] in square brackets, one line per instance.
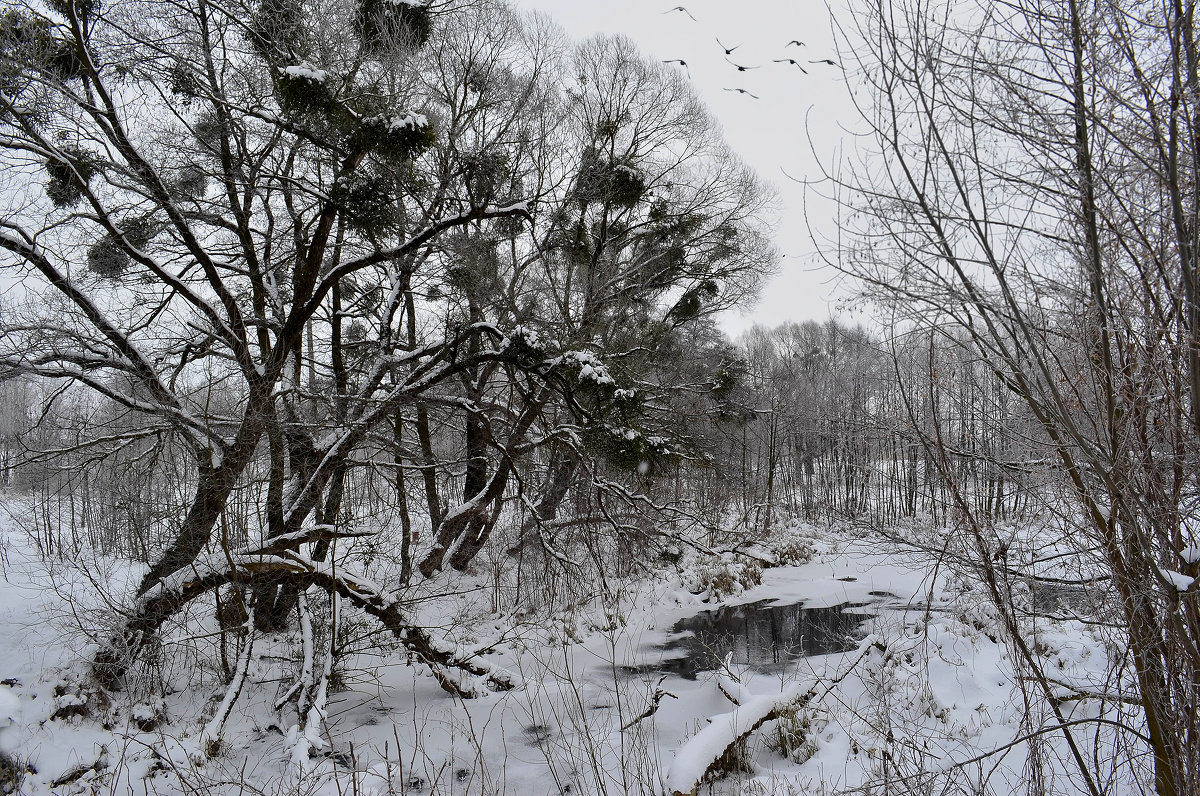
[109, 257]
[399, 136]
[587, 369]
[626, 448]
[69, 174]
[613, 416]
[473, 264]
[31, 41]
[485, 175]
[525, 347]
[277, 29]
[184, 83]
[593, 386]
[602, 179]
[367, 202]
[694, 299]
[208, 133]
[81, 9]
[190, 181]
[106, 258]
[387, 24]
[303, 89]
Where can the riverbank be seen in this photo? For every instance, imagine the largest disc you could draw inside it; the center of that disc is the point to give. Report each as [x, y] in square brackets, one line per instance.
[922, 687]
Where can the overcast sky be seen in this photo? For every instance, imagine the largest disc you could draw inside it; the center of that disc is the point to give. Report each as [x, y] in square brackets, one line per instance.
[771, 133]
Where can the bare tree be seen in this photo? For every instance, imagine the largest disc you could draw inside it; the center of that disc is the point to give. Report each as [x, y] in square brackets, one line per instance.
[1034, 195]
[646, 226]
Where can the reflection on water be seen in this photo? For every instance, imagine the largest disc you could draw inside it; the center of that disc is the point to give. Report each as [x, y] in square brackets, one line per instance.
[759, 635]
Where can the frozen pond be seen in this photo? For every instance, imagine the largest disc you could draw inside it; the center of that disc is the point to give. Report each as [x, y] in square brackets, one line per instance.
[762, 635]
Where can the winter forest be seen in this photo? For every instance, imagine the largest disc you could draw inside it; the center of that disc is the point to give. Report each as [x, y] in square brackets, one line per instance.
[371, 423]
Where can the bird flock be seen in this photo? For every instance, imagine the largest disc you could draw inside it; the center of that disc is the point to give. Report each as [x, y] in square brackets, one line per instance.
[740, 68]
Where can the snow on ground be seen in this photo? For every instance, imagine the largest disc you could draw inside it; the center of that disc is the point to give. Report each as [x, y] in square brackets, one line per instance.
[932, 686]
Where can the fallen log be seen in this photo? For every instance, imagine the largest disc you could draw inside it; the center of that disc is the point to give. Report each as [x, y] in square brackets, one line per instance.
[712, 749]
[292, 569]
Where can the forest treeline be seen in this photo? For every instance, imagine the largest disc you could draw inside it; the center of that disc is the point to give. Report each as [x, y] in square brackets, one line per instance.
[805, 421]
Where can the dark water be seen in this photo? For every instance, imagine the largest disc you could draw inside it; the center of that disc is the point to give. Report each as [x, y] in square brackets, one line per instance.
[1054, 598]
[760, 635]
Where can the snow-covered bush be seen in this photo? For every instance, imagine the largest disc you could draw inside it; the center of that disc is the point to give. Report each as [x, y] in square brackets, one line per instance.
[147, 715]
[72, 699]
[724, 576]
[795, 552]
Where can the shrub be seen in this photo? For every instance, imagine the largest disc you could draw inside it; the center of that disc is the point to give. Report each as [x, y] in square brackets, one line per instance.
[726, 576]
[795, 736]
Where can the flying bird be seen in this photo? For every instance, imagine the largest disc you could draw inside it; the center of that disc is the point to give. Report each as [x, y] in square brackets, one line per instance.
[681, 62]
[741, 68]
[796, 42]
[728, 50]
[791, 61]
[828, 61]
[680, 8]
[743, 91]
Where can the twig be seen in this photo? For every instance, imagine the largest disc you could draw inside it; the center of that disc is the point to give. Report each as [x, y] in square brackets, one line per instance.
[655, 699]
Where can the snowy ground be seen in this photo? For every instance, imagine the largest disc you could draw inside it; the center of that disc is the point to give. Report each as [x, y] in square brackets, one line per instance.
[929, 690]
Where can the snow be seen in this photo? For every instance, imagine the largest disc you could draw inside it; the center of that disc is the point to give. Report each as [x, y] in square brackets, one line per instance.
[526, 335]
[590, 367]
[142, 712]
[10, 715]
[1191, 554]
[1180, 581]
[10, 708]
[396, 122]
[305, 71]
[65, 701]
[929, 668]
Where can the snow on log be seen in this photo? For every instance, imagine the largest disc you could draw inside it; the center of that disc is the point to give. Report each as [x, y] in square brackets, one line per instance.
[707, 749]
